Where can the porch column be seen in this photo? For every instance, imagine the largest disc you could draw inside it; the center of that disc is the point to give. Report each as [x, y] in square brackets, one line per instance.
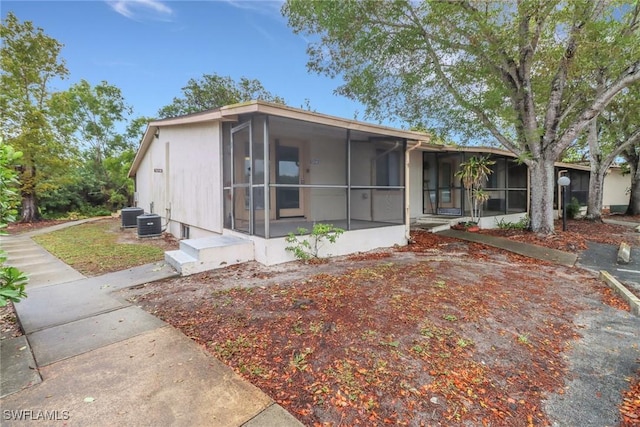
[267, 189]
[233, 180]
[252, 216]
[348, 179]
[407, 185]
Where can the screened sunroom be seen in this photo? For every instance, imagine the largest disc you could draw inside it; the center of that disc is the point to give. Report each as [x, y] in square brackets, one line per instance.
[444, 194]
[285, 173]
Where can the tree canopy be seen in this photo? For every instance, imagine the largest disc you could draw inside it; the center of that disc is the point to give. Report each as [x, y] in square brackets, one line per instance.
[213, 91]
[30, 60]
[524, 75]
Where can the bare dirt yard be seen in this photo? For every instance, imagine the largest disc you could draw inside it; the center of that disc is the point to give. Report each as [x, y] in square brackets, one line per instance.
[442, 332]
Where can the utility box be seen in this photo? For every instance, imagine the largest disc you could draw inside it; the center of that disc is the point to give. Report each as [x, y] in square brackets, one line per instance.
[149, 225]
[129, 216]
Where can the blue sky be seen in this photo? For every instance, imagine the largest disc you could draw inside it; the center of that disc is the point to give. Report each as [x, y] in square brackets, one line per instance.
[151, 48]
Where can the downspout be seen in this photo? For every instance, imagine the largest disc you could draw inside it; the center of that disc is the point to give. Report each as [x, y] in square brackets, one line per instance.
[407, 193]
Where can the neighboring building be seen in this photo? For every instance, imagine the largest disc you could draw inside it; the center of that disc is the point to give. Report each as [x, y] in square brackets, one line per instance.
[615, 194]
[234, 181]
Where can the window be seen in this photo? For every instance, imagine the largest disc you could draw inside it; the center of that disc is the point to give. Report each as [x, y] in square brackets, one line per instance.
[184, 231]
[387, 168]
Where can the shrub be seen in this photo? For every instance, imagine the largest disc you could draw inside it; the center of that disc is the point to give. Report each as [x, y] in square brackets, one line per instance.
[522, 224]
[12, 280]
[573, 208]
[12, 283]
[306, 248]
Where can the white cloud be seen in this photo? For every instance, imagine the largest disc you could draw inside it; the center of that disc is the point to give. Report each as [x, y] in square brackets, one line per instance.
[266, 7]
[138, 9]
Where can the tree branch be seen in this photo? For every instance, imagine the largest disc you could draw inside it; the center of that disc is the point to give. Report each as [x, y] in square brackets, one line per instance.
[629, 76]
[551, 121]
[633, 139]
[457, 95]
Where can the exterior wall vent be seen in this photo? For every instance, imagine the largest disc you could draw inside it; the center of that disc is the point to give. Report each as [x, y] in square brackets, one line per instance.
[129, 216]
[149, 225]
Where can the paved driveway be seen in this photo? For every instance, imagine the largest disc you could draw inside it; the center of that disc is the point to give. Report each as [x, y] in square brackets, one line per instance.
[599, 256]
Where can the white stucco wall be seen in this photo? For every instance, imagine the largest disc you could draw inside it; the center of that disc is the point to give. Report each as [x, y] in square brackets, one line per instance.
[615, 188]
[186, 184]
[150, 179]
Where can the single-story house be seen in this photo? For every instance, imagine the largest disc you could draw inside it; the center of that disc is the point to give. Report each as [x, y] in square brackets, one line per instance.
[234, 181]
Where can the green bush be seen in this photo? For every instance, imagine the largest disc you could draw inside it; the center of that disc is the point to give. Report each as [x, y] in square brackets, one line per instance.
[12, 280]
[523, 224]
[12, 283]
[307, 248]
[573, 208]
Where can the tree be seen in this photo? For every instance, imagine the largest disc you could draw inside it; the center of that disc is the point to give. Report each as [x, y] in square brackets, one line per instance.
[474, 174]
[30, 61]
[93, 114]
[625, 126]
[522, 74]
[213, 91]
[611, 135]
[632, 157]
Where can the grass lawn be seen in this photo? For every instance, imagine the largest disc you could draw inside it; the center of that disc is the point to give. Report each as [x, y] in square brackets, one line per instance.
[101, 247]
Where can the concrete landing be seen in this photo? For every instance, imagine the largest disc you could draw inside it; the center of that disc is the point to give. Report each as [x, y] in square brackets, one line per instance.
[61, 342]
[18, 367]
[55, 305]
[525, 249]
[159, 378]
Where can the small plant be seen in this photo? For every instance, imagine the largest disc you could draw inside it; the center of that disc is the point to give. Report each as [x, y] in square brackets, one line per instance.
[315, 327]
[368, 333]
[573, 208]
[523, 339]
[474, 174]
[440, 284]
[299, 360]
[253, 369]
[306, 248]
[394, 344]
[450, 317]
[427, 332]
[231, 348]
[463, 343]
[418, 349]
[523, 224]
[297, 328]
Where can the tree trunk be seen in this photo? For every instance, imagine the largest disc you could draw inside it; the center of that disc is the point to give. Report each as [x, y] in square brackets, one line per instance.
[542, 185]
[594, 202]
[634, 199]
[596, 173]
[30, 211]
[29, 208]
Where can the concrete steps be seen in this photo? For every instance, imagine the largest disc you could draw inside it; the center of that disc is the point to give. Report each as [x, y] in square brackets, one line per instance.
[435, 224]
[209, 253]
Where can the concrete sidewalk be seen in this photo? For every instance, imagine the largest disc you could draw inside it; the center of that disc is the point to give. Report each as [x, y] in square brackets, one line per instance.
[105, 362]
[532, 251]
